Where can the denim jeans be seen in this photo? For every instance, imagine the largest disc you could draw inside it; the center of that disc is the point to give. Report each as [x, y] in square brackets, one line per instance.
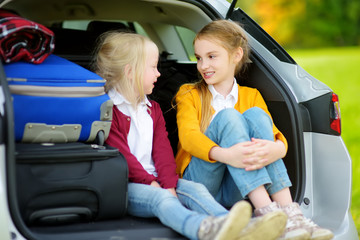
[183, 214]
[229, 184]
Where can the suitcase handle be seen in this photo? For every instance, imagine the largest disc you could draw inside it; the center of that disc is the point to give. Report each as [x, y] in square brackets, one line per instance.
[61, 215]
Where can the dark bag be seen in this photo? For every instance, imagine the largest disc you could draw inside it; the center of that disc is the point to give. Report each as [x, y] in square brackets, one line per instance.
[70, 182]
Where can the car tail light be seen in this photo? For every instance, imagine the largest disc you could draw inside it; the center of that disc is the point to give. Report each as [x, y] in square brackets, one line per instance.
[335, 118]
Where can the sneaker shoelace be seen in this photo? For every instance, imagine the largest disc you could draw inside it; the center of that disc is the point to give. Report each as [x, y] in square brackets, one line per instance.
[307, 224]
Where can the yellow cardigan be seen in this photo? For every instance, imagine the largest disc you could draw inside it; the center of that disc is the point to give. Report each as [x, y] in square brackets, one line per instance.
[192, 142]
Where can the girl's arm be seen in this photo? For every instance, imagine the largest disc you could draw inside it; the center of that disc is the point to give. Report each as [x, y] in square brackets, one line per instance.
[118, 139]
[250, 155]
[234, 156]
[188, 114]
[162, 152]
[266, 152]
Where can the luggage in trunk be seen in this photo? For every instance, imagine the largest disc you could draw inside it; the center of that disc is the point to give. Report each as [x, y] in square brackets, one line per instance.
[71, 182]
[58, 101]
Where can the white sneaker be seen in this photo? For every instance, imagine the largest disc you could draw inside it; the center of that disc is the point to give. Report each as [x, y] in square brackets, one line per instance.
[293, 231]
[297, 218]
[226, 227]
[267, 227]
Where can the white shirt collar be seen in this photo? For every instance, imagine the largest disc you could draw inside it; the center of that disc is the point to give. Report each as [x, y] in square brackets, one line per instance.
[233, 93]
[118, 99]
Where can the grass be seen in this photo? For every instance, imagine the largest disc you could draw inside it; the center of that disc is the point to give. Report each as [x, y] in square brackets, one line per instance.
[339, 68]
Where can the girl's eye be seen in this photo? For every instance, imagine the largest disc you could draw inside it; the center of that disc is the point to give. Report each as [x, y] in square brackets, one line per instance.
[212, 56]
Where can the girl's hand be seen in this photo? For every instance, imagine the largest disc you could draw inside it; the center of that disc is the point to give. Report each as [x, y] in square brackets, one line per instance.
[155, 184]
[251, 155]
[172, 191]
[265, 152]
[234, 155]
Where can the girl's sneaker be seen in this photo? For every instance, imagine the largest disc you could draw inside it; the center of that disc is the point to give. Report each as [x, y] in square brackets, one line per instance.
[226, 227]
[293, 230]
[238, 225]
[297, 218]
[267, 227]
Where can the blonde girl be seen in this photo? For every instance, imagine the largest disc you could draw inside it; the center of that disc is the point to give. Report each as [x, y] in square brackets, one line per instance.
[129, 62]
[227, 140]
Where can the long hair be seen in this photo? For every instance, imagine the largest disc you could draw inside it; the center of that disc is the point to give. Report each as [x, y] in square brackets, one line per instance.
[120, 59]
[229, 35]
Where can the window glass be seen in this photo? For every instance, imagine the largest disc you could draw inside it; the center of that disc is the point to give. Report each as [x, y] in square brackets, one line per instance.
[187, 36]
[78, 25]
[139, 29]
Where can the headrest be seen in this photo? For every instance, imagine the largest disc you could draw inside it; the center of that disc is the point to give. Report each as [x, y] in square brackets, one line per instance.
[99, 27]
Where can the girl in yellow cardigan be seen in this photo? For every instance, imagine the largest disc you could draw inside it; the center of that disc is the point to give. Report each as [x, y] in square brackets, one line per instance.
[227, 140]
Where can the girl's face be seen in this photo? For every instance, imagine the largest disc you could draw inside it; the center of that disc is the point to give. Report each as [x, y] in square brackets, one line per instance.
[215, 65]
[151, 72]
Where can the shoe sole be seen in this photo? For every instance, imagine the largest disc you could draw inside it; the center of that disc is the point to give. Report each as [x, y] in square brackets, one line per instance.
[324, 237]
[269, 227]
[304, 236]
[238, 218]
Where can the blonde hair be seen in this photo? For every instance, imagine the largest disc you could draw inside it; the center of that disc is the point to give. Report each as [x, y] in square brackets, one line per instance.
[230, 36]
[120, 59]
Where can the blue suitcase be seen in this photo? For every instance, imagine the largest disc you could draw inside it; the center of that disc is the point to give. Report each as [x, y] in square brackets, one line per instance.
[58, 101]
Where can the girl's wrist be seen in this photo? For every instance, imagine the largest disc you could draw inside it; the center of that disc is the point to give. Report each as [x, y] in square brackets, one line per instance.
[217, 153]
[281, 147]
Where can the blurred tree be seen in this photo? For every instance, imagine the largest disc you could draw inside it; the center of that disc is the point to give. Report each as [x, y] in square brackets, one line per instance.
[279, 17]
[308, 23]
[332, 22]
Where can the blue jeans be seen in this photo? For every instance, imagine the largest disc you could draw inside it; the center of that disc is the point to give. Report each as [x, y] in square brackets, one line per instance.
[183, 214]
[229, 184]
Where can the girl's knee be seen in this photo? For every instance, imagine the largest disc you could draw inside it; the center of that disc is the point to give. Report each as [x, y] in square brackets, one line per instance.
[164, 198]
[230, 116]
[228, 113]
[255, 111]
[194, 189]
[200, 188]
[158, 195]
[191, 186]
[258, 115]
[228, 128]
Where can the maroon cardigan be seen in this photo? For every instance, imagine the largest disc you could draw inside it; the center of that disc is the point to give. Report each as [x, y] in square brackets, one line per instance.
[162, 153]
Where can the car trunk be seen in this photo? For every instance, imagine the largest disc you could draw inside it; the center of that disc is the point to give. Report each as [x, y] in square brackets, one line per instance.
[260, 75]
[173, 75]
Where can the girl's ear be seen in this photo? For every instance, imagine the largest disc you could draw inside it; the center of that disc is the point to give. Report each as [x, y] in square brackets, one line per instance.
[238, 55]
[128, 71]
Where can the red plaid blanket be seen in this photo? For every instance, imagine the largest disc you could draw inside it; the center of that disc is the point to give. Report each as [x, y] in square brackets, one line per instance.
[22, 39]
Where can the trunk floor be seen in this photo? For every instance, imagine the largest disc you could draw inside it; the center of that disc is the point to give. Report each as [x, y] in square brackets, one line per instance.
[125, 228]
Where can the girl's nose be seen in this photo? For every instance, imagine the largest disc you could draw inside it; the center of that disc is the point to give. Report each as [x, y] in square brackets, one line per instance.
[203, 65]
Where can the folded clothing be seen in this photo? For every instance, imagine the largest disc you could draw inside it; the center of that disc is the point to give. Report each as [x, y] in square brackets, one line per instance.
[22, 39]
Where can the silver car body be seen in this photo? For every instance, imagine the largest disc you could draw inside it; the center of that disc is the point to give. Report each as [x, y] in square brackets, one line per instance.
[326, 182]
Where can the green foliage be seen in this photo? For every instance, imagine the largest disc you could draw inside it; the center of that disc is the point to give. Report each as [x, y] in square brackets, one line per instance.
[308, 23]
[334, 22]
[339, 69]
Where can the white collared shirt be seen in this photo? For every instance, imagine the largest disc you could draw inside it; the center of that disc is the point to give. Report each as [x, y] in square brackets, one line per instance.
[140, 137]
[219, 102]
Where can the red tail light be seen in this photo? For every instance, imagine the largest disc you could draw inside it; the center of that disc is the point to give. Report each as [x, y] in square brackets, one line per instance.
[335, 118]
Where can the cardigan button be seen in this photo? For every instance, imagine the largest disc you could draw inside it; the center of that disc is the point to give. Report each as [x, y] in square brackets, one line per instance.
[128, 119]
